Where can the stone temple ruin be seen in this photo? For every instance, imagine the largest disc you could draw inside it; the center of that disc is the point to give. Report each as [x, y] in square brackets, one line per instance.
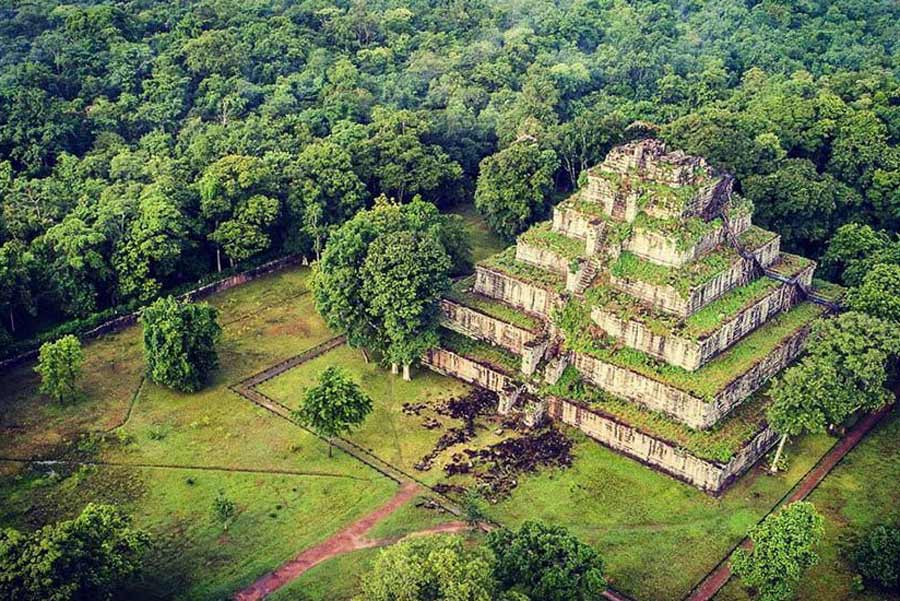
[649, 313]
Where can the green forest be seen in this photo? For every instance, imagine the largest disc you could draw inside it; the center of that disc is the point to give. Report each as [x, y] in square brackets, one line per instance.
[149, 145]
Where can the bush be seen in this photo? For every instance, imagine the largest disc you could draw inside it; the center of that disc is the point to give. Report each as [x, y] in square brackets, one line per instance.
[877, 557]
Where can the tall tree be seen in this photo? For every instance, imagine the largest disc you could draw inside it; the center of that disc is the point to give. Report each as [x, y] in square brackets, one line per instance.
[334, 405]
[877, 295]
[783, 549]
[180, 343]
[514, 187]
[15, 280]
[59, 365]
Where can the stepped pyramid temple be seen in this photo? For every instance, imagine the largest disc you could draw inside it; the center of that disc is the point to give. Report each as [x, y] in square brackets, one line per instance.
[649, 313]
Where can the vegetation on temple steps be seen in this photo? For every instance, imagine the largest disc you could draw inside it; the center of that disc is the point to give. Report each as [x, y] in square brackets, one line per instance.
[505, 262]
[480, 351]
[705, 321]
[180, 343]
[685, 232]
[59, 365]
[334, 405]
[683, 279]
[718, 443]
[543, 237]
[461, 292]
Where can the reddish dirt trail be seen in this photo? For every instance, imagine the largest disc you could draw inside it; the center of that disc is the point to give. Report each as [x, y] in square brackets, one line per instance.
[717, 579]
[351, 538]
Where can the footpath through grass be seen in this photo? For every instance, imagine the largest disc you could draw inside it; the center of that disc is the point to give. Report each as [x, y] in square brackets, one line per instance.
[860, 493]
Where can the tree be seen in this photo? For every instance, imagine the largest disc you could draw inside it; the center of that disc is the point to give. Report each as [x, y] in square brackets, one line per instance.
[224, 509]
[353, 280]
[877, 295]
[783, 549]
[514, 186]
[437, 568]
[15, 280]
[848, 362]
[59, 364]
[405, 274]
[180, 343]
[85, 558]
[877, 557]
[849, 250]
[547, 562]
[334, 405]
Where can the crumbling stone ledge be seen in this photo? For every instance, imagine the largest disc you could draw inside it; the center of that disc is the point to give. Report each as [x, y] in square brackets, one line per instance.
[451, 364]
[515, 292]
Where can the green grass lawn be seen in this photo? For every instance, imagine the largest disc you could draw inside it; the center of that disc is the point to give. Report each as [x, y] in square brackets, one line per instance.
[337, 579]
[484, 242]
[389, 433]
[657, 535]
[861, 492]
[279, 515]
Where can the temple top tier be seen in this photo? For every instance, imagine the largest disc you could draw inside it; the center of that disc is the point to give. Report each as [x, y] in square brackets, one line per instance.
[642, 176]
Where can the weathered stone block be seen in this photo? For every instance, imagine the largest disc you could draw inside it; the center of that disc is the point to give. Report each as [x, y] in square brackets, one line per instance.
[515, 292]
[658, 248]
[467, 370]
[472, 323]
[541, 257]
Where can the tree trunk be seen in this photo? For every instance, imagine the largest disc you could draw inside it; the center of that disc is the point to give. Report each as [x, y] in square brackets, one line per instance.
[219, 259]
[395, 368]
[778, 454]
[364, 354]
[406, 372]
[12, 320]
[330, 447]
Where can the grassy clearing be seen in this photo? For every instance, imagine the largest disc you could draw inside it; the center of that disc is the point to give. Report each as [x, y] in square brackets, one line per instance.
[389, 433]
[484, 242]
[338, 579]
[861, 492]
[657, 535]
[717, 444]
[461, 292]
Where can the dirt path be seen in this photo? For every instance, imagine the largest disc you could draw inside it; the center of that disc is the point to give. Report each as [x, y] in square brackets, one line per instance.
[351, 538]
[716, 579]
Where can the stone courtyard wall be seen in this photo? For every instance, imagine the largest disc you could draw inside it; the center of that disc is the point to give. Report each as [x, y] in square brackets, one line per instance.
[515, 292]
[707, 475]
[475, 324]
[692, 354]
[541, 257]
[457, 366]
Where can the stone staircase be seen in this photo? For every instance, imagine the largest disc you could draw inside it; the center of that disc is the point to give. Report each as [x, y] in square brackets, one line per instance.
[588, 273]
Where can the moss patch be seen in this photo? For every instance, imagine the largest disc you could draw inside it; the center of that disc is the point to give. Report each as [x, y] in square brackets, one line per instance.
[541, 236]
[480, 351]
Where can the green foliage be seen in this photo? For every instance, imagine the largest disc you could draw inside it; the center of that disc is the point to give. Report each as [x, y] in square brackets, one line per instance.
[783, 549]
[547, 562]
[479, 351]
[682, 279]
[877, 557]
[88, 557]
[180, 343]
[514, 187]
[59, 365]
[541, 236]
[383, 273]
[437, 568]
[877, 295]
[224, 509]
[334, 405]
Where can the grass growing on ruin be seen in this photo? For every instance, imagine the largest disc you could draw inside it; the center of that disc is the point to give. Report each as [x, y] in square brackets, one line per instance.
[541, 236]
[505, 262]
[480, 351]
[683, 279]
[707, 381]
[658, 536]
[861, 492]
[461, 292]
[714, 315]
[719, 443]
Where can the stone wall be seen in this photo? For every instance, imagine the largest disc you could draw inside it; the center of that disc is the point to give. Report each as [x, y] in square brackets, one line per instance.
[668, 299]
[706, 475]
[541, 257]
[475, 324]
[515, 292]
[692, 354]
[457, 366]
[571, 223]
[682, 406]
[663, 250]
